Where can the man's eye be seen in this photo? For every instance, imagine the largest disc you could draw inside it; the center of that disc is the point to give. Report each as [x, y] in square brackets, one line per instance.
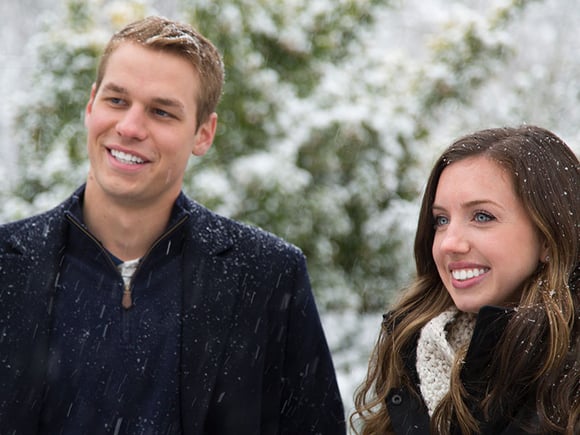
[162, 113]
[481, 216]
[116, 101]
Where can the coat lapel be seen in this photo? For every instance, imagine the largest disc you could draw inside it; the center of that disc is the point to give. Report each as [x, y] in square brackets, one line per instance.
[209, 298]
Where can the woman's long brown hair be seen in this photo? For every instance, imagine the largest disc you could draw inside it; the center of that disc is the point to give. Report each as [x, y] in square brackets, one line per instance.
[546, 324]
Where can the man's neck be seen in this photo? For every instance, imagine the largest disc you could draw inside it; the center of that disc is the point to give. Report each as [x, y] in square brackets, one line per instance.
[126, 232]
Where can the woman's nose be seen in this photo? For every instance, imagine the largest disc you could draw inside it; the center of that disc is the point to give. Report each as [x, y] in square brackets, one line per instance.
[454, 239]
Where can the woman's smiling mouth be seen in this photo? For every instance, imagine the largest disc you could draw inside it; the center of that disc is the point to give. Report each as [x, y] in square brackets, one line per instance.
[464, 274]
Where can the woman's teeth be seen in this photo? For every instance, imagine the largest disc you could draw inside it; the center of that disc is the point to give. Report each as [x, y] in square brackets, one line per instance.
[464, 274]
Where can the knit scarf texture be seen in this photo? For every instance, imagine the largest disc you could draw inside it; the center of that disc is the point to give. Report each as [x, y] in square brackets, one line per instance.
[439, 341]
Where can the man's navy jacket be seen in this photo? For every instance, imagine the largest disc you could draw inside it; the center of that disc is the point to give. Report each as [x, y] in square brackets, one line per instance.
[254, 359]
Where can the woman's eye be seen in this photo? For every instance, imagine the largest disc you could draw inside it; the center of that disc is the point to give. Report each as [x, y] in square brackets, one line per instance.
[440, 221]
[481, 216]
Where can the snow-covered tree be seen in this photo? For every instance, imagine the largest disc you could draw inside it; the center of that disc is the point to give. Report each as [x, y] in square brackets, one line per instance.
[324, 134]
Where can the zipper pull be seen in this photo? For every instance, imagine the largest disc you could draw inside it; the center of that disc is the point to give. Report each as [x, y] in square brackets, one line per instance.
[127, 301]
[127, 270]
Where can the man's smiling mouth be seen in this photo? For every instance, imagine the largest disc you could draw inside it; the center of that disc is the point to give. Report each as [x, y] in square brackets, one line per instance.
[128, 159]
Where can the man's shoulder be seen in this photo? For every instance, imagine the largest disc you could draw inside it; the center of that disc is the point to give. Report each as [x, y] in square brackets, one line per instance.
[244, 236]
[39, 225]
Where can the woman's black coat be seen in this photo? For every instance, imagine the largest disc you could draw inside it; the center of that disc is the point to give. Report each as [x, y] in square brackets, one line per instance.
[408, 411]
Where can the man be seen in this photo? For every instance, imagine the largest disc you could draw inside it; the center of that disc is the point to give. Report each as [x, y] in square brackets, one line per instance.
[129, 308]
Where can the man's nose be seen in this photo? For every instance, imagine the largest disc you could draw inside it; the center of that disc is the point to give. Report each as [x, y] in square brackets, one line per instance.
[132, 124]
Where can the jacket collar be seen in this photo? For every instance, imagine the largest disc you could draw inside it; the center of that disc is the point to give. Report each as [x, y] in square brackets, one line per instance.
[490, 325]
[208, 231]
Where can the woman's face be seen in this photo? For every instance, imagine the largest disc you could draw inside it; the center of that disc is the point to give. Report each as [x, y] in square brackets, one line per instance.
[485, 243]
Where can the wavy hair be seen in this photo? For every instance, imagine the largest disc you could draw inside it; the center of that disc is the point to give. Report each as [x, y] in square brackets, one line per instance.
[546, 177]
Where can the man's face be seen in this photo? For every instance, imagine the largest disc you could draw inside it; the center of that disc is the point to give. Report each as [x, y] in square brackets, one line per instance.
[141, 127]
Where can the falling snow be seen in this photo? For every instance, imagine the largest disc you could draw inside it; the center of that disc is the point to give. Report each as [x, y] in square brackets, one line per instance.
[539, 84]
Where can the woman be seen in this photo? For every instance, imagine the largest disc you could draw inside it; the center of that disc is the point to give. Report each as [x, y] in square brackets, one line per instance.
[486, 339]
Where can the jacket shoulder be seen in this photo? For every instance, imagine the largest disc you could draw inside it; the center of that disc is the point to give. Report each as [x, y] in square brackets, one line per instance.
[250, 239]
[37, 229]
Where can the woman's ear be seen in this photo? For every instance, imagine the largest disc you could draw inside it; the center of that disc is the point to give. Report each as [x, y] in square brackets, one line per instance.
[544, 253]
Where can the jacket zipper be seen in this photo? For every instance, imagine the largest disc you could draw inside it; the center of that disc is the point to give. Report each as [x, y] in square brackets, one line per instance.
[127, 299]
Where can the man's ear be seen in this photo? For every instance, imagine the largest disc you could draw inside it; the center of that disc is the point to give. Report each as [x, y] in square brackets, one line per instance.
[205, 135]
[89, 107]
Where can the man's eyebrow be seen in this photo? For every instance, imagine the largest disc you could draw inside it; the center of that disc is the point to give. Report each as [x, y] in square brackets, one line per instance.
[111, 87]
[166, 102]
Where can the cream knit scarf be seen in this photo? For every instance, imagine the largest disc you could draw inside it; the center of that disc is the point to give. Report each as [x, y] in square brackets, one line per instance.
[439, 341]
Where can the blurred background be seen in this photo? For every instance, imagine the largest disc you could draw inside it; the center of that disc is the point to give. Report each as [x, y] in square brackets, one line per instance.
[332, 114]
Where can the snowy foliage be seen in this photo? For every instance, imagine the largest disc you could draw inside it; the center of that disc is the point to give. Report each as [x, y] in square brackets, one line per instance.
[331, 115]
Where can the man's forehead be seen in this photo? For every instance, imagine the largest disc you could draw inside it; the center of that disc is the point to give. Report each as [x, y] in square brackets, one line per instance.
[133, 69]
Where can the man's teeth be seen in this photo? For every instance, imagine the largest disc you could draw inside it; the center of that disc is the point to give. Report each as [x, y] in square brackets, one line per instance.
[464, 274]
[126, 158]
